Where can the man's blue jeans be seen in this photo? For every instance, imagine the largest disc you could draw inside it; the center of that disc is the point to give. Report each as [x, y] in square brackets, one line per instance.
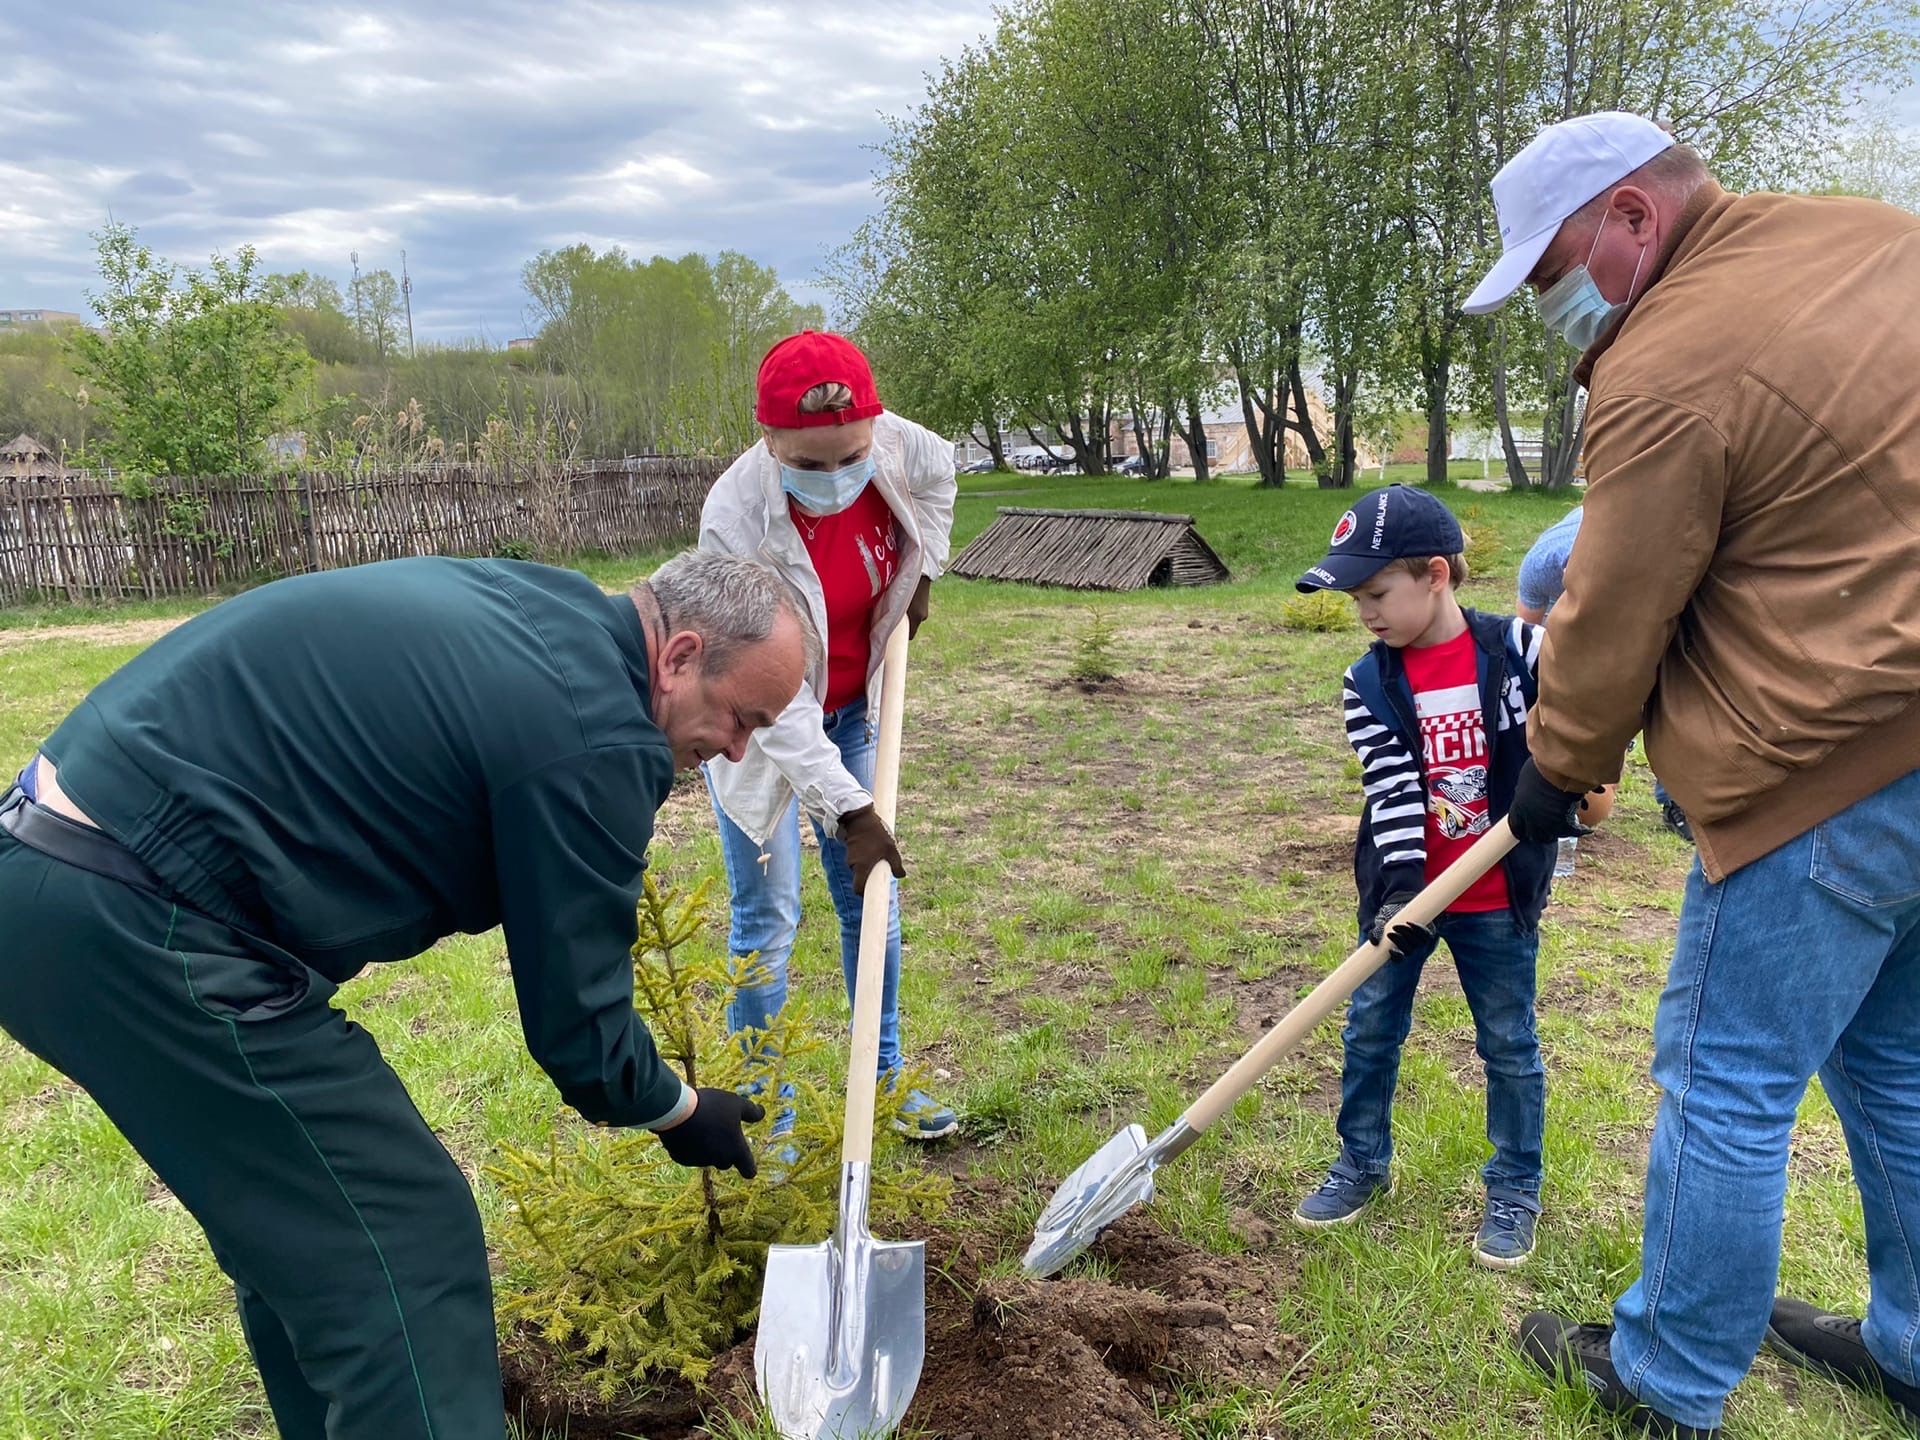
[766, 898]
[1495, 958]
[1805, 961]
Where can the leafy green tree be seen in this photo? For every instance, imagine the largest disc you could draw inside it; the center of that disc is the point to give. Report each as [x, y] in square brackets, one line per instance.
[375, 299]
[1877, 158]
[191, 371]
[312, 312]
[659, 354]
[39, 393]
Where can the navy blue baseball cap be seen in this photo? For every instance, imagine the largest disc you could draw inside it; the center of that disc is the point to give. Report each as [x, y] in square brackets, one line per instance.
[1383, 525]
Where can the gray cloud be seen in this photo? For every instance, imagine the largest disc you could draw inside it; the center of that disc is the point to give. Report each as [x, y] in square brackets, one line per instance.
[472, 136]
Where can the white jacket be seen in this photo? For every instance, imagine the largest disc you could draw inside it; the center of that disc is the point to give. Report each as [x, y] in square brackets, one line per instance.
[746, 514]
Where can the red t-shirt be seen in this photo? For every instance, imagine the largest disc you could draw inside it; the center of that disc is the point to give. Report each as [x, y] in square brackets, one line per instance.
[1453, 739]
[855, 553]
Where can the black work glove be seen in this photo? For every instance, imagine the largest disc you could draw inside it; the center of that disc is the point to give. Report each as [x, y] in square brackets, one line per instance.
[868, 843]
[711, 1133]
[1541, 811]
[917, 607]
[1403, 939]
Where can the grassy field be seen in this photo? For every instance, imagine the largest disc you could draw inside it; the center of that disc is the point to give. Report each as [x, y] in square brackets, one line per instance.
[1110, 894]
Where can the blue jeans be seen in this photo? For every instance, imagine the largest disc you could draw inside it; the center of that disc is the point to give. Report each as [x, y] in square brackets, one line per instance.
[766, 898]
[1495, 958]
[1805, 961]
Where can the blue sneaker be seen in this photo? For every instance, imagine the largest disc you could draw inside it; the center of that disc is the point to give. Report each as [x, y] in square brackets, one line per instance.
[919, 1116]
[1506, 1235]
[1340, 1198]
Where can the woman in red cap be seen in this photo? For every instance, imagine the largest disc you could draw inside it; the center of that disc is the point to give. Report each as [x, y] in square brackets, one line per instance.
[854, 507]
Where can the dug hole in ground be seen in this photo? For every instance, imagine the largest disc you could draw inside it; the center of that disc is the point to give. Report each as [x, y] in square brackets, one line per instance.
[1008, 1358]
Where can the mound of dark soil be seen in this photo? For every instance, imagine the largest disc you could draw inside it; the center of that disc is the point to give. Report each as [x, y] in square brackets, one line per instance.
[1007, 1358]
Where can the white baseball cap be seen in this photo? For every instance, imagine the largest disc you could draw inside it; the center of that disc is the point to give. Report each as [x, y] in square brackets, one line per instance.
[1562, 168]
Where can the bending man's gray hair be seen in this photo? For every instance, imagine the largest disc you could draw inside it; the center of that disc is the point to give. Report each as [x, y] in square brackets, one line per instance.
[731, 602]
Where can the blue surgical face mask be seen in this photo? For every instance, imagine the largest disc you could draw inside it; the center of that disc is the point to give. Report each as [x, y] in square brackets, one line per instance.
[827, 492]
[1574, 306]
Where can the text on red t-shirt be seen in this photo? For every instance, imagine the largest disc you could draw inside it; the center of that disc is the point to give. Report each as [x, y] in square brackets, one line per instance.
[856, 553]
[1453, 742]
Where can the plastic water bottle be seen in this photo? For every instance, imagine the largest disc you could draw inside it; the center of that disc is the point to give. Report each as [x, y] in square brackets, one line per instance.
[1563, 860]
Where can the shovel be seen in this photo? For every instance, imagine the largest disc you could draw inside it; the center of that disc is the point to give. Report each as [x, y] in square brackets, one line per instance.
[1119, 1176]
[843, 1324]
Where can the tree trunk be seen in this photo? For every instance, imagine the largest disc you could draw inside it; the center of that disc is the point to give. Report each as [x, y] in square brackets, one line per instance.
[1309, 436]
[995, 442]
[1517, 475]
[1560, 446]
[1270, 458]
[1341, 474]
[1143, 443]
[1195, 434]
[1160, 463]
[1436, 375]
[1087, 435]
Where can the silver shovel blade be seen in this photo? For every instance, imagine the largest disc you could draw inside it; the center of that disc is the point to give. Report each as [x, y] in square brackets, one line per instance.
[843, 1333]
[1117, 1177]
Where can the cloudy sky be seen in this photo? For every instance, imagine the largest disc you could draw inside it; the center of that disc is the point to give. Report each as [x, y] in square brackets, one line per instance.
[471, 135]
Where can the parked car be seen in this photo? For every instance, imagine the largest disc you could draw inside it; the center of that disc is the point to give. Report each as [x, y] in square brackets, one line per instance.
[1132, 465]
[978, 467]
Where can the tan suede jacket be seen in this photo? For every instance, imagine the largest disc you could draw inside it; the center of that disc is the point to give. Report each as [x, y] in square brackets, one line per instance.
[1746, 585]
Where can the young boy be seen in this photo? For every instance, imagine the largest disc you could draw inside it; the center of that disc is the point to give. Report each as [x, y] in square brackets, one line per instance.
[1437, 712]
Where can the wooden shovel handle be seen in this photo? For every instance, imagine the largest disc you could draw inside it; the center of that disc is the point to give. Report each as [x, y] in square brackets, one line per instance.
[1335, 990]
[863, 1063]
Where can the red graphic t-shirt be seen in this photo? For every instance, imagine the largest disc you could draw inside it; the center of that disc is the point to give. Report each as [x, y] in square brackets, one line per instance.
[1453, 741]
[855, 553]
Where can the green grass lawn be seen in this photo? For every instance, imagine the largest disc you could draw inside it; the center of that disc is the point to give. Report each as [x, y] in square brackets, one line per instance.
[1110, 894]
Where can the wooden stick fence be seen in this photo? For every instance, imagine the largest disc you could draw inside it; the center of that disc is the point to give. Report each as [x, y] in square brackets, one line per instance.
[84, 537]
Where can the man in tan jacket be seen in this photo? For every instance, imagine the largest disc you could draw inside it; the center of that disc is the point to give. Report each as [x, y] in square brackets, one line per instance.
[1746, 587]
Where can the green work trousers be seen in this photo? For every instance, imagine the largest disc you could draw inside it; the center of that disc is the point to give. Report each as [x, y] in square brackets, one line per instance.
[350, 1234]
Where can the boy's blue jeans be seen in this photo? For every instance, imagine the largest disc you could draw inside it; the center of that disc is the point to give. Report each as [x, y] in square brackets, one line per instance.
[1495, 958]
[766, 898]
[1805, 961]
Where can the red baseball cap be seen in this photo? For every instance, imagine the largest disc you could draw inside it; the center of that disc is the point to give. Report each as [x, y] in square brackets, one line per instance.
[798, 363]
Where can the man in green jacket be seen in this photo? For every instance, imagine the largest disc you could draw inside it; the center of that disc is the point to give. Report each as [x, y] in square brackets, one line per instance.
[337, 770]
[1747, 585]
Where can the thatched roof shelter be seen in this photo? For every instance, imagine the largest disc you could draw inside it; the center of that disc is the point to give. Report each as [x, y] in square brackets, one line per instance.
[1091, 550]
[25, 458]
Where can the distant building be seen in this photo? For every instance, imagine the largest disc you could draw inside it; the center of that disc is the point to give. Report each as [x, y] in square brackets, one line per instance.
[525, 342]
[1230, 447]
[25, 319]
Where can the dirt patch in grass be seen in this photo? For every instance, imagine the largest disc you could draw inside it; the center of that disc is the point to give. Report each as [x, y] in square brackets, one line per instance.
[1100, 687]
[117, 632]
[1008, 1358]
[1312, 855]
[1264, 1001]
